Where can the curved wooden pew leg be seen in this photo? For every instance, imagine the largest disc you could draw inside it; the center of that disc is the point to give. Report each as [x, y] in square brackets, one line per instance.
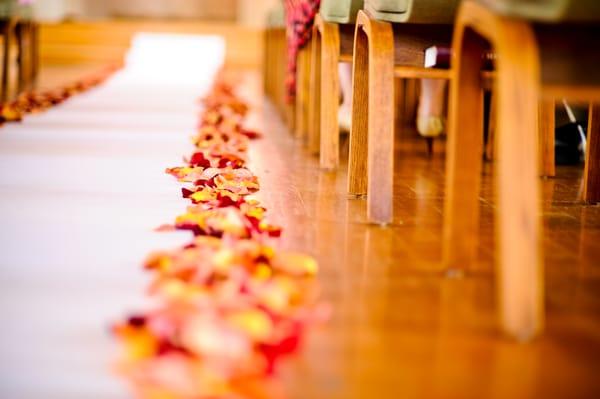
[265, 64]
[314, 119]
[35, 54]
[357, 156]
[21, 37]
[518, 230]
[7, 33]
[591, 191]
[464, 149]
[302, 89]
[380, 122]
[546, 138]
[519, 270]
[330, 94]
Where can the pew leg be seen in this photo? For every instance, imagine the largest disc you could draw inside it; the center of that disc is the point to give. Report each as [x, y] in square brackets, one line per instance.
[314, 129]
[463, 159]
[330, 94]
[357, 156]
[546, 137]
[591, 191]
[380, 123]
[520, 265]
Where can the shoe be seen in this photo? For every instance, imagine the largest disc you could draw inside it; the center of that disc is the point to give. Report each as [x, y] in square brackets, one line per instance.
[344, 118]
[430, 126]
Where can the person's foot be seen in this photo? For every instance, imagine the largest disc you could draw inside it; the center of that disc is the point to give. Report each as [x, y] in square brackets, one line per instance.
[344, 118]
[430, 125]
[430, 115]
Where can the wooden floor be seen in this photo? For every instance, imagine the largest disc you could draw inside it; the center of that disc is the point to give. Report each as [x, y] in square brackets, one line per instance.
[400, 327]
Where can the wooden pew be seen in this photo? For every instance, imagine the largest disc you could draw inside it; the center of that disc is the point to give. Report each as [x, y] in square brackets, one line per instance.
[535, 62]
[388, 45]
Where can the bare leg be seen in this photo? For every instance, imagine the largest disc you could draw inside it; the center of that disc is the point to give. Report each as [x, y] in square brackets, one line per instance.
[345, 111]
[430, 116]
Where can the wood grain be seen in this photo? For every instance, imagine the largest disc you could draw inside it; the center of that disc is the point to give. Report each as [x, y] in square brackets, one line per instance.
[419, 72]
[329, 35]
[464, 149]
[546, 138]
[302, 91]
[591, 187]
[380, 131]
[314, 132]
[358, 147]
[275, 66]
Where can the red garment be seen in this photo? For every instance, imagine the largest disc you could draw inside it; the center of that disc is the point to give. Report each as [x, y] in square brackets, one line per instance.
[299, 16]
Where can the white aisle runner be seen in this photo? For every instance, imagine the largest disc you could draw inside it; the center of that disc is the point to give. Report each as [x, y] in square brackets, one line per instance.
[81, 188]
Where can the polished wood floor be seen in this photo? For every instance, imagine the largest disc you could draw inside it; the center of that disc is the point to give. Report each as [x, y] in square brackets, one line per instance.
[401, 327]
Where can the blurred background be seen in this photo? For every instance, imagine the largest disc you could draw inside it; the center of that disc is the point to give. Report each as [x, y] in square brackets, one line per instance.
[99, 31]
[248, 12]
